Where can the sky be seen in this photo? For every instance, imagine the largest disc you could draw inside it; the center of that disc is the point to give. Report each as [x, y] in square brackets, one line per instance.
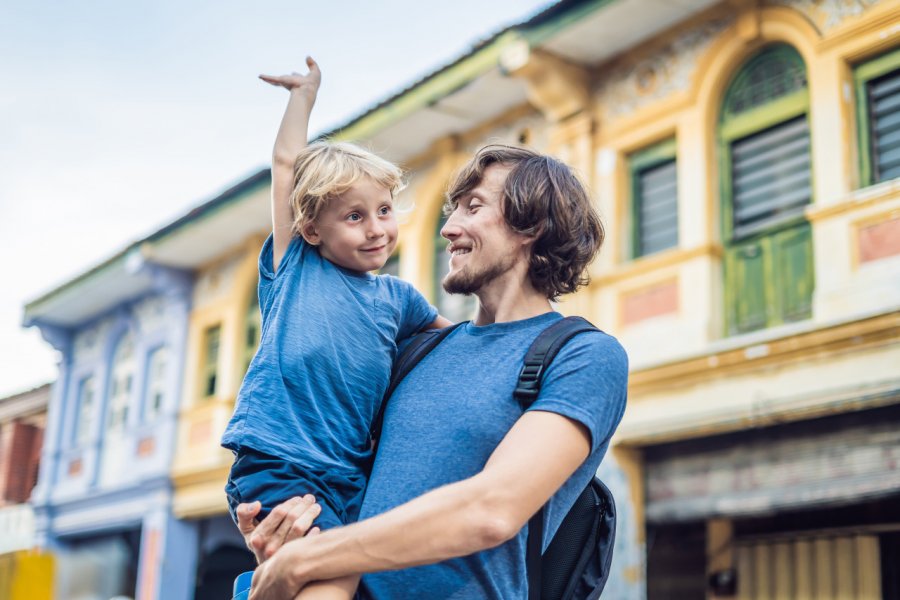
[118, 117]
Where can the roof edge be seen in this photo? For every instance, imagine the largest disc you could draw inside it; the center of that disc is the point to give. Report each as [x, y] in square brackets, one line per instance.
[218, 202]
[464, 69]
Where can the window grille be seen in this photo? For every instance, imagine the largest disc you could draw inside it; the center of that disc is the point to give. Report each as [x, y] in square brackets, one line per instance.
[655, 198]
[884, 111]
[211, 361]
[770, 176]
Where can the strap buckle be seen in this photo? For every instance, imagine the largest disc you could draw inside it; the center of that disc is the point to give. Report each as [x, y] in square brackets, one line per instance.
[528, 384]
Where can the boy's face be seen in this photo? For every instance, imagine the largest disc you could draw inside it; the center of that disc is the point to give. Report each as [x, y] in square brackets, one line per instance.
[356, 230]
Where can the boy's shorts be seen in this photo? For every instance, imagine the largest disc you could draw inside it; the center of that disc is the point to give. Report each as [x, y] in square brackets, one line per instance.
[272, 480]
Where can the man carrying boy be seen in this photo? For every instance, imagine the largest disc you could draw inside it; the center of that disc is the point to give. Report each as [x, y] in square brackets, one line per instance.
[460, 469]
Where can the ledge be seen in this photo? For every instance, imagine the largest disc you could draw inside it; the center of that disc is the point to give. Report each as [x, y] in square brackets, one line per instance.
[776, 345]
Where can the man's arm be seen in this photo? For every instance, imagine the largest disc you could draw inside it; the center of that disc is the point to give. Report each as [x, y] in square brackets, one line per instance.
[291, 139]
[536, 457]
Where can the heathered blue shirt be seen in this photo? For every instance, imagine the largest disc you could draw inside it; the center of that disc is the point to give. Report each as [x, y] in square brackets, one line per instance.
[328, 340]
[449, 414]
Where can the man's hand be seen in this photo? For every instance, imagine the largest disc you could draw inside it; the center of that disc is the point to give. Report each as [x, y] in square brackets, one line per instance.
[277, 578]
[295, 82]
[288, 521]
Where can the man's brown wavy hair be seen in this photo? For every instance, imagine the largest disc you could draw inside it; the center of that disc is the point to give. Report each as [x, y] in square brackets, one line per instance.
[542, 198]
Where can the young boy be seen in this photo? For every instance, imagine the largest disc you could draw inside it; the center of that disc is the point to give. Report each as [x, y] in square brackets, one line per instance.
[329, 327]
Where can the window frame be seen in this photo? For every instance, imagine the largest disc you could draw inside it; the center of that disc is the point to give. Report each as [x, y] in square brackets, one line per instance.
[639, 161]
[862, 75]
[122, 368]
[746, 124]
[76, 439]
[252, 317]
[767, 242]
[208, 367]
[151, 385]
[750, 122]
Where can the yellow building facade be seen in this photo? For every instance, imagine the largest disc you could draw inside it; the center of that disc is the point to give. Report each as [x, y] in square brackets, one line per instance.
[742, 156]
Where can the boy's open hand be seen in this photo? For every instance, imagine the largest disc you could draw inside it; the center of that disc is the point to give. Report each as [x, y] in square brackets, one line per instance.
[295, 82]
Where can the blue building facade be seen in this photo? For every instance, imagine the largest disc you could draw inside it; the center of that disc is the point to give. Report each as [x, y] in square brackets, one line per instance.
[103, 499]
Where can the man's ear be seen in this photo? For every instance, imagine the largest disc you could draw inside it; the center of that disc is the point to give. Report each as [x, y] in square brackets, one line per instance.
[310, 233]
[528, 239]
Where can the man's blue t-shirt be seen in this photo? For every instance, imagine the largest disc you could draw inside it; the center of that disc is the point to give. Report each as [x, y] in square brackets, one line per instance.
[328, 340]
[449, 414]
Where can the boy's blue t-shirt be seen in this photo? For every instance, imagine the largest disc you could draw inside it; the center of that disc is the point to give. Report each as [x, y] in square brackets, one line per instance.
[449, 414]
[328, 340]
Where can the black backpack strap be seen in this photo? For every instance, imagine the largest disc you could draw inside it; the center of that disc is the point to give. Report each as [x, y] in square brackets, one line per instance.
[419, 345]
[533, 554]
[540, 354]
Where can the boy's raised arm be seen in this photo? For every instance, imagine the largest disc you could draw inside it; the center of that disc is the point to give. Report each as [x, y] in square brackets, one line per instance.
[291, 139]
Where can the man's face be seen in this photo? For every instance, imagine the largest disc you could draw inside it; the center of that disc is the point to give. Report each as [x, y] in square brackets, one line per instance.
[482, 248]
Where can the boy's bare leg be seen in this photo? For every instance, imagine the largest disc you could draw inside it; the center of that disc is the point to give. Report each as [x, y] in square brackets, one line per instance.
[334, 589]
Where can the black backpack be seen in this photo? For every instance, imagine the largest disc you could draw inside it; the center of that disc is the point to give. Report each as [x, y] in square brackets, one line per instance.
[577, 561]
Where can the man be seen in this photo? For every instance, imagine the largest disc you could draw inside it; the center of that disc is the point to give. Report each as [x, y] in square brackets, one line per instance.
[460, 469]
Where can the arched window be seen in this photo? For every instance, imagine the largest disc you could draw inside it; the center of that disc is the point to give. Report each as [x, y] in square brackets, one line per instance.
[253, 324]
[766, 184]
[455, 307]
[84, 412]
[123, 368]
[155, 388]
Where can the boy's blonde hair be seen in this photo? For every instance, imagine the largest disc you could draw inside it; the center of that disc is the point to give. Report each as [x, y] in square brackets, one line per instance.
[324, 170]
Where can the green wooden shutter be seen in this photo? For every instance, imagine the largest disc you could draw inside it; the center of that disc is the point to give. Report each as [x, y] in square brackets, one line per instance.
[793, 270]
[884, 103]
[745, 286]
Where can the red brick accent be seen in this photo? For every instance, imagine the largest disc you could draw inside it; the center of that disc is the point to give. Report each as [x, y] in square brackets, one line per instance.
[146, 446]
[199, 432]
[22, 453]
[879, 240]
[659, 299]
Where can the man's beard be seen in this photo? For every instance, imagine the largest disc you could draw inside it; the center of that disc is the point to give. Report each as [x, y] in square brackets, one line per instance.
[468, 281]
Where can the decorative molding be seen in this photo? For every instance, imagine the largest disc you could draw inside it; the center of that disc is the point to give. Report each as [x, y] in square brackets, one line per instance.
[557, 87]
[175, 283]
[150, 314]
[827, 14]
[216, 282]
[58, 337]
[633, 85]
